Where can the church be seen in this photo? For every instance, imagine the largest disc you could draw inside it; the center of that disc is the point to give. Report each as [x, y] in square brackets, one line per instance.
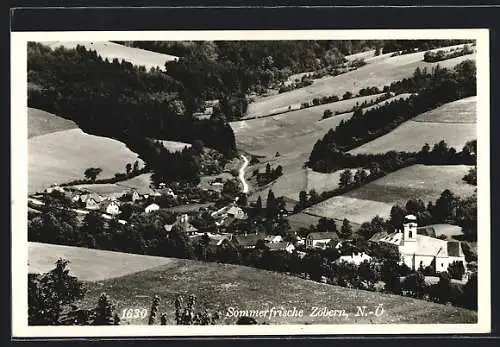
[417, 250]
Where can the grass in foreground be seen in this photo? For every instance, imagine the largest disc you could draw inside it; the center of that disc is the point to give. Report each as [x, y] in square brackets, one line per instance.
[221, 286]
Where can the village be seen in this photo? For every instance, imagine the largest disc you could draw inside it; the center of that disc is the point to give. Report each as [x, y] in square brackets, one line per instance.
[241, 226]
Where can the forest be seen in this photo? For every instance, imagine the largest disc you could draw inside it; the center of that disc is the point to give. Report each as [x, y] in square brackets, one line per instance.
[117, 100]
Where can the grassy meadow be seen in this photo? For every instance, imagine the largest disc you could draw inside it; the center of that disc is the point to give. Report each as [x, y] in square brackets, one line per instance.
[379, 73]
[111, 50]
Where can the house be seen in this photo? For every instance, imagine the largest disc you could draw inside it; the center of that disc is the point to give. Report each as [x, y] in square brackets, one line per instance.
[320, 239]
[151, 208]
[247, 241]
[355, 258]
[110, 207]
[54, 188]
[418, 250]
[90, 201]
[134, 195]
[281, 246]
[236, 212]
[273, 238]
[183, 224]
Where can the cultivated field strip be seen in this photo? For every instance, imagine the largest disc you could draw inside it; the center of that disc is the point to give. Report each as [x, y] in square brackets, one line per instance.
[453, 122]
[41, 122]
[378, 73]
[425, 182]
[89, 264]
[111, 50]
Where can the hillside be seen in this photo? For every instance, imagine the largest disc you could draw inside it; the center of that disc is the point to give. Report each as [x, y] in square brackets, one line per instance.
[41, 122]
[454, 122]
[425, 182]
[292, 135]
[111, 50]
[64, 155]
[132, 280]
[89, 264]
[379, 73]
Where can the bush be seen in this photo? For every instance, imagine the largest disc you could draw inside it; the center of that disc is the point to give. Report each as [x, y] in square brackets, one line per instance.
[456, 270]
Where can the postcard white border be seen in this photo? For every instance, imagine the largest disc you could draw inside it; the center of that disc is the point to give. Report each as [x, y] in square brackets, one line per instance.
[19, 172]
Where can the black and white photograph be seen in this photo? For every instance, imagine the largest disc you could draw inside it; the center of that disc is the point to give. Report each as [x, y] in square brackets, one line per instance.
[257, 182]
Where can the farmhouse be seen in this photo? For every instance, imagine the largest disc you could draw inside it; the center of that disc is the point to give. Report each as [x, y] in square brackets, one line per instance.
[90, 201]
[54, 188]
[273, 238]
[320, 239]
[152, 207]
[183, 224]
[236, 212]
[355, 258]
[281, 246]
[247, 241]
[418, 250]
[110, 207]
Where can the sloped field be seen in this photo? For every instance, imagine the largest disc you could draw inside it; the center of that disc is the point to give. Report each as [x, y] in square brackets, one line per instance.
[111, 50]
[89, 264]
[378, 73]
[140, 183]
[220, 286]
[453, 122]
[64, 155]
[425, 182]
[41, 122]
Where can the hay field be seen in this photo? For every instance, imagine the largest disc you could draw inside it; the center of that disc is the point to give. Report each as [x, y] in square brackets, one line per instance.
[140, 183]
[425, 182]
[111, 50]
[175, 146]
[41, 122]
[379, 73]
[460, 111]
[354, 209]
[296, 131]
[220, 286]
[294, 142]
[89, 264]
[64, 155]
[453, 122]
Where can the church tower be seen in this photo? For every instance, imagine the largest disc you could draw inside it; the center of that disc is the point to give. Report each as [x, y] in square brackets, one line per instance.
[410, 234]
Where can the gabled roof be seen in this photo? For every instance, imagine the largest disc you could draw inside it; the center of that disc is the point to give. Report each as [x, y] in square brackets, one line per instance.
[248, 240]
[427, 245]
[94, 196]
[378, 236]
[323, 235]
[395, 238]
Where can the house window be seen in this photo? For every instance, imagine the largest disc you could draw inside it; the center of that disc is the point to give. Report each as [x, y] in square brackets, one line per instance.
[410, 234]
[442, 264]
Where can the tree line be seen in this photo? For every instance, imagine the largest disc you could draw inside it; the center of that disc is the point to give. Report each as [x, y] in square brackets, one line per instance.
[432, 57]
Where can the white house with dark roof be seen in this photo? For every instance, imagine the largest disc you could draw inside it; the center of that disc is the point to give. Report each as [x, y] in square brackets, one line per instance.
[320, 239]
[418, 250]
